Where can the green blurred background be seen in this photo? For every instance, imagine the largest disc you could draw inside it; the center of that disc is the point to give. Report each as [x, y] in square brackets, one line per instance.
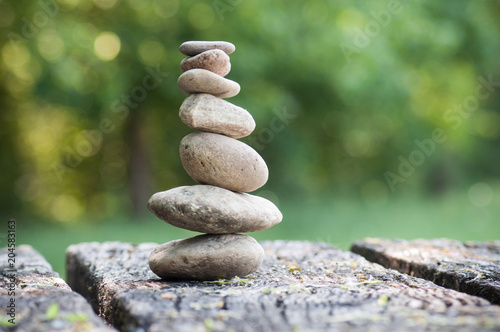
[375, 118]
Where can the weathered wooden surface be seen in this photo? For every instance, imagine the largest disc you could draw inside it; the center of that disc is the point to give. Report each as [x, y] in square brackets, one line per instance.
[35, 288]
[470, 267]
[301, 286]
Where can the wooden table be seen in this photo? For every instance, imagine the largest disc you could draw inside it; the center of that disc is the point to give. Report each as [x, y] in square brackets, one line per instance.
[301, 286]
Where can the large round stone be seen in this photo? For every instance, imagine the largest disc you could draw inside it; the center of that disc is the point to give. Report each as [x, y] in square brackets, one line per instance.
[204, 81]
[209, 113]
[223, 162]
[207, 257]
[198, 46]
[214, 210]
[214, 60]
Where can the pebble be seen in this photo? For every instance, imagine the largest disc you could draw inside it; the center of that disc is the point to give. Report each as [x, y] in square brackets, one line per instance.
[214, 60]
[196, 47]
[223, 162]
[207, 257]
[208, 113]
[214, 210]
[204, 81]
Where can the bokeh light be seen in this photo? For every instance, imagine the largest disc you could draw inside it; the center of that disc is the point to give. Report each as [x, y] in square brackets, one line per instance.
[107, 46]
[50, 45]
[66, 208]
[151, 52]
[357, 143]
[15, 56]
[353, 116]
[481, 194]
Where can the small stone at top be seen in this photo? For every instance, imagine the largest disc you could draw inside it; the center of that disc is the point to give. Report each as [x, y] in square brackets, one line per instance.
[196, 47]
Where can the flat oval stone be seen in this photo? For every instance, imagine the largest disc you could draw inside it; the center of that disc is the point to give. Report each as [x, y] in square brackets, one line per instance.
[214, 60]
[223, 162]
[208, 113]
[207, 257]
[196, 47]
[204, 81]
[214, 210]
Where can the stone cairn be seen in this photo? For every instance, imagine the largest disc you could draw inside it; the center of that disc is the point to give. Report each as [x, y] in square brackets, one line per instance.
[225, 169]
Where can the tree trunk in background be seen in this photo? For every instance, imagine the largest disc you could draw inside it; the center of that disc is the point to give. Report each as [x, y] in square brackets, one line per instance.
[139, 173]
[10, 159]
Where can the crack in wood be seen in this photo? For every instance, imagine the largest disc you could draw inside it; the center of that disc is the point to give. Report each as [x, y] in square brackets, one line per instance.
[335, 290]
[470, 267]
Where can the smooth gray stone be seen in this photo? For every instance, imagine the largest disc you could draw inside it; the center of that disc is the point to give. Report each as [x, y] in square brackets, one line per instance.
[204, 81]
[214, 210]
[217, 61]
[196, 47]
[208, 113]
[222, 161]
[207, 257]
[301, 286]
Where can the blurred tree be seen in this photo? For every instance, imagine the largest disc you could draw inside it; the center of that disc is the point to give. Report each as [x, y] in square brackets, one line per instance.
[340, 90]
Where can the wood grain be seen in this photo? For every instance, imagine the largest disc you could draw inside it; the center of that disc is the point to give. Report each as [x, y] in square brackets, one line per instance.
[301, 286]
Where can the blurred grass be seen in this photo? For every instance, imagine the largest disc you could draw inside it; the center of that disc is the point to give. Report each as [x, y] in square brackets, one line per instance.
[335, 220]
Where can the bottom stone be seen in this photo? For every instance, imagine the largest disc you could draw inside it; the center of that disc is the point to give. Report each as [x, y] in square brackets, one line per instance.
[207, 257]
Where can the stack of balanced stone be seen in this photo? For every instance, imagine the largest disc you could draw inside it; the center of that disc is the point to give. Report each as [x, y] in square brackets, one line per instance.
[225, 169]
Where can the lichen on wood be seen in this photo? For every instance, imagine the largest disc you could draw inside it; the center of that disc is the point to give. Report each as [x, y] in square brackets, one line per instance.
[469, 267]
[300, 286]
